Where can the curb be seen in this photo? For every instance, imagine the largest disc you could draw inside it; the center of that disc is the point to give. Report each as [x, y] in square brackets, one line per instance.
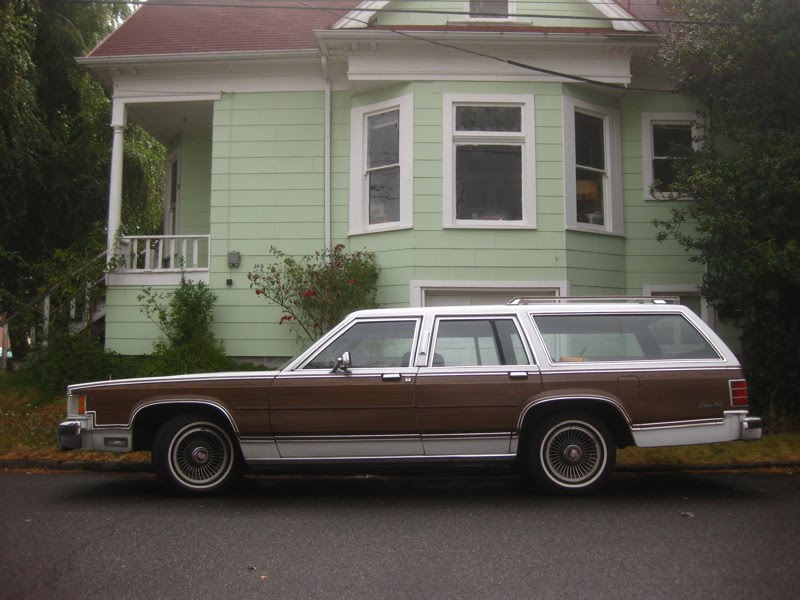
[78, 465]
[146, 467]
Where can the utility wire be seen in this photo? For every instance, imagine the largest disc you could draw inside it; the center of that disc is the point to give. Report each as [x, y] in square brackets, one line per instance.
[282, 5]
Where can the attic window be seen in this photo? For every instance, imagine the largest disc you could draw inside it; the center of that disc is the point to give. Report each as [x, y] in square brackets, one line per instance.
[491, 9]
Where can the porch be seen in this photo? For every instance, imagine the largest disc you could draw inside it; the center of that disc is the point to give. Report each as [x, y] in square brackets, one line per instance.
[160, 259]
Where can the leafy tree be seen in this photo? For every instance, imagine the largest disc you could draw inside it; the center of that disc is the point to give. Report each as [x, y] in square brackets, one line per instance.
[55, 143]
[742, 217]
[318, 290]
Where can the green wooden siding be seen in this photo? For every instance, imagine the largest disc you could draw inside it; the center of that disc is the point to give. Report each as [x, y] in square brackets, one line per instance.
[257, 180]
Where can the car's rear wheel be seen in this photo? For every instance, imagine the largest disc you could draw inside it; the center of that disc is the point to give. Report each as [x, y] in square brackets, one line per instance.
[571, 454]
[193, 455]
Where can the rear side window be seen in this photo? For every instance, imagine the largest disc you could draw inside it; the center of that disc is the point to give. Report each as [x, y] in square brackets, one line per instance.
[478, 343]
[586, 338]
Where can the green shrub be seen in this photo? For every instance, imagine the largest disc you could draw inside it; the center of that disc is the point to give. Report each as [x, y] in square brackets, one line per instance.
[73, 359]
[184, 317]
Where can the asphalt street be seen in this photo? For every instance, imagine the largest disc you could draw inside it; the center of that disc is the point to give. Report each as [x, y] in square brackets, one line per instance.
[658, 535]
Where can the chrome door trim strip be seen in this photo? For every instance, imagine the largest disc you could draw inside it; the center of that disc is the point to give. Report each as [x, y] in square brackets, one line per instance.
[384, 459]
[677, 424]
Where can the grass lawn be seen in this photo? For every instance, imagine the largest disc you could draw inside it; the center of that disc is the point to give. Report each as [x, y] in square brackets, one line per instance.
[28, 431]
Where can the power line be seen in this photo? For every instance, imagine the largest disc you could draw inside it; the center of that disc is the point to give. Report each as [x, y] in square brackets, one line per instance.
[282, 5]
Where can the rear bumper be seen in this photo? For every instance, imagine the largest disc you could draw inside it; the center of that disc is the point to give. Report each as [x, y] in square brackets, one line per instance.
[752, 428]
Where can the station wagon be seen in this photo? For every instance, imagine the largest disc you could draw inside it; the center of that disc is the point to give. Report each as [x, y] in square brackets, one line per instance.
[552, 387]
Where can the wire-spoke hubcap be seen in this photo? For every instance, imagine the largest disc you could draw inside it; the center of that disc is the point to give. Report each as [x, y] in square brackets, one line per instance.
[201, 455]
[573, 453]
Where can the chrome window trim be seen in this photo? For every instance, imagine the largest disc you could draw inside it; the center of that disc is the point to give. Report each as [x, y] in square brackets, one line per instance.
[513, 317]
[588, 313]
[298, 365]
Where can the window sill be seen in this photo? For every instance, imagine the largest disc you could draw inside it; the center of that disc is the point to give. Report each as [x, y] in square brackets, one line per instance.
[488, 224]
[597, 230]
[381, 229]
[668, 198]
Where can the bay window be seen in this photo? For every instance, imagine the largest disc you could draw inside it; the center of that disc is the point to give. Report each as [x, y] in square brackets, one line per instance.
[488, 166]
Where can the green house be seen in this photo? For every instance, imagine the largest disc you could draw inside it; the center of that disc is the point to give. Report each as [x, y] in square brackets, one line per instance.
[483, 149]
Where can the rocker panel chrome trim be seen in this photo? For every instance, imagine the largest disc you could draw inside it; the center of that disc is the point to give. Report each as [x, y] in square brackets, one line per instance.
[382, 459]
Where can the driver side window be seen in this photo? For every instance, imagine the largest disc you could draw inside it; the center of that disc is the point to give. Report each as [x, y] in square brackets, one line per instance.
[371, 344]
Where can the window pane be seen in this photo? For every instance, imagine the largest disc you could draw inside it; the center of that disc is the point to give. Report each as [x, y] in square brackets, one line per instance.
[384, 139]
[589, 193]
[468, 343]
[667, 135]
[489, 182]
[489, 118]
[667, 138]
[585, 338]
[378, 344]
[474, 342]
[489, 7]
[663, 175]
[384, 196]
[589, 141]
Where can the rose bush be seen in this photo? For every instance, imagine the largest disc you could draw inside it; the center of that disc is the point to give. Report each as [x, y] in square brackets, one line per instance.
[316, 291]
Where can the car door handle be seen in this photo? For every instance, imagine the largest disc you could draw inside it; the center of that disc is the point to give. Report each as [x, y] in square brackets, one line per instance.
[391, 376]
[518, 375]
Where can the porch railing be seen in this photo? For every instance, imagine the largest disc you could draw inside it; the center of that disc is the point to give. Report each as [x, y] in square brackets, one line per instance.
[164, 253]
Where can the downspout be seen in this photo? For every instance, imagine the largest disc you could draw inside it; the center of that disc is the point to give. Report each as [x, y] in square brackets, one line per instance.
[327, 151]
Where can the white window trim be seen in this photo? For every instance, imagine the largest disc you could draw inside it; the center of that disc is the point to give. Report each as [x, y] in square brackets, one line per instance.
[648, 120]
[678, 289]
[527, 142]
[359, 194]
[612, 188]
[512, 13]
[420, 287]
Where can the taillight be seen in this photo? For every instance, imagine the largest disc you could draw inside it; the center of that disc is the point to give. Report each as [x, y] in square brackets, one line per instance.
[81, 405]
[739, 394]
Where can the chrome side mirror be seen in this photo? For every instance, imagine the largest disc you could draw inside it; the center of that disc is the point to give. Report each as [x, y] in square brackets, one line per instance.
[342, 363]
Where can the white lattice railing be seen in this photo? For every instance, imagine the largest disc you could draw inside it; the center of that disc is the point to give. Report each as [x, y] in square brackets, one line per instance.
[165, 253]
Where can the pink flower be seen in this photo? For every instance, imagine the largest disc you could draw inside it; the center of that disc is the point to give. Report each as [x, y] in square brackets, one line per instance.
[308, 293]
[351, 281]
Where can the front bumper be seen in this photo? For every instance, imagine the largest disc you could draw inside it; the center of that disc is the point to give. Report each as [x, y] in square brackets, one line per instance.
[69, 434]
[77, 434]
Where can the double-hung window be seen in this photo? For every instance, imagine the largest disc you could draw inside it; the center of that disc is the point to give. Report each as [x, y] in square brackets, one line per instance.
[381, 177]
[488, 163]
[490, 9]
[593, 174]
[662, 135]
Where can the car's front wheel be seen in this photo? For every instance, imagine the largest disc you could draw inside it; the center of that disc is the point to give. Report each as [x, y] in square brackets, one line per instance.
[571, 454]
[193, 455]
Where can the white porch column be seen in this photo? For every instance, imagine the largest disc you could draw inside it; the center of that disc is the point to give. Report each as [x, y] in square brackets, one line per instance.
[118, 123]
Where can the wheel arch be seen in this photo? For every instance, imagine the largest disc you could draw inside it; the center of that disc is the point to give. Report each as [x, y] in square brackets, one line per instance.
[609, 411]
[149, 416]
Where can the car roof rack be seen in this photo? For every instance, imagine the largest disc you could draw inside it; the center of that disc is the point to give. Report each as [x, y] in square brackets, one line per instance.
[594, 299]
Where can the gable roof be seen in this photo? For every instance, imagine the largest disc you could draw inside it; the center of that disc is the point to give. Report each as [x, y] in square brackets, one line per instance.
[215, 26]
[185, 27]
[361, 16]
